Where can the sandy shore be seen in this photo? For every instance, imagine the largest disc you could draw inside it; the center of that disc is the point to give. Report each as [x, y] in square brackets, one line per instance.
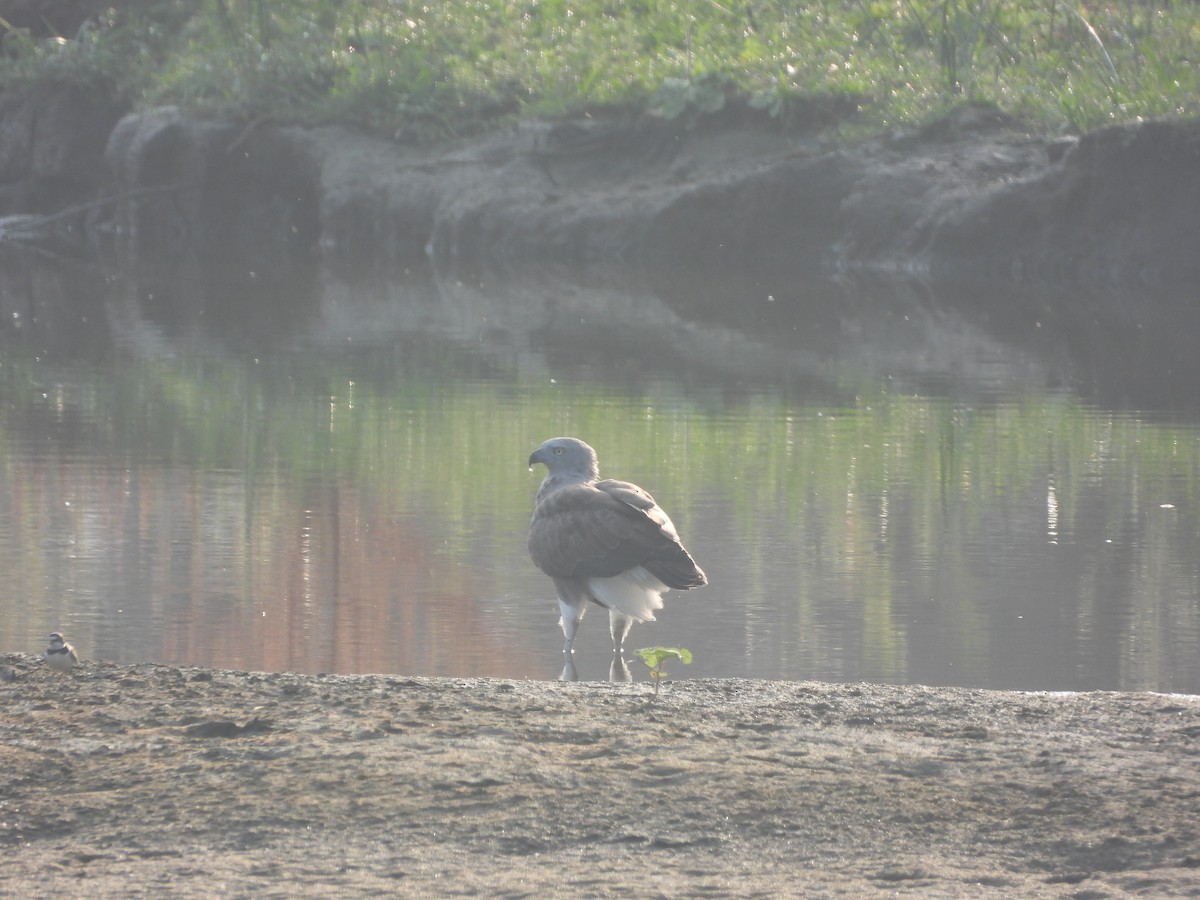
[155, 780]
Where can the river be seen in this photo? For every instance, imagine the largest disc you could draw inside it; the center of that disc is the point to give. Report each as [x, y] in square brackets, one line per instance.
[328, 474]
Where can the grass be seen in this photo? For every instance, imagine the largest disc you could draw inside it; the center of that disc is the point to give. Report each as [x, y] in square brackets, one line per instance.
[452, 67]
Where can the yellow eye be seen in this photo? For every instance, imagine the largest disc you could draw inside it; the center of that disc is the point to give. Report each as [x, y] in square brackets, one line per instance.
[558, 451]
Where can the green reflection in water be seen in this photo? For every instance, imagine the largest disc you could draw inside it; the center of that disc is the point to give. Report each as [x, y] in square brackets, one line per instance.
[321, 511]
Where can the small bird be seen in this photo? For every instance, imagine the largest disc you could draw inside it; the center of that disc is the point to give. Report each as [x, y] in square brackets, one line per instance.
[607, 542]
[60, 655]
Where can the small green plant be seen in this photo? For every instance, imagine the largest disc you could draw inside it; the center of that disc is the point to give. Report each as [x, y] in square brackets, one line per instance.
[655, 657]
[704, 95]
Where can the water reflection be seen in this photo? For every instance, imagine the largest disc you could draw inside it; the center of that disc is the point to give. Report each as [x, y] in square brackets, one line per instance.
[326, 475]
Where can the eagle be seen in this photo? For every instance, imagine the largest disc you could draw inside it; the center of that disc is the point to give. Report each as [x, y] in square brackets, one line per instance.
[605, 542]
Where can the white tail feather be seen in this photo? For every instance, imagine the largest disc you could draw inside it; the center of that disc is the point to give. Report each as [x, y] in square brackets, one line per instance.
[635, 593]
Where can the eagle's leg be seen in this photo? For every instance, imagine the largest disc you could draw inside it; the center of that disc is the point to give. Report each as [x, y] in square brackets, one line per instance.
[572, 615]
[618, 626]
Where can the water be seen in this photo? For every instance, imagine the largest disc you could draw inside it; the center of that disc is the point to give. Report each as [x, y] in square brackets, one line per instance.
[329, 475]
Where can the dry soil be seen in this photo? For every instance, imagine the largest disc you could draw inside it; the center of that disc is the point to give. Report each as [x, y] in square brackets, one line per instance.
[155, 780]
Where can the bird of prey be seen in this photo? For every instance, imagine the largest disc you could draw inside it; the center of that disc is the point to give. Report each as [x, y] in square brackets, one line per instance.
[607, 542]
[60, 655]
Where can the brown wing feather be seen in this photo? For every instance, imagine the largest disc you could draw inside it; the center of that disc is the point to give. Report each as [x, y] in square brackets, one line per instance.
[603, 529]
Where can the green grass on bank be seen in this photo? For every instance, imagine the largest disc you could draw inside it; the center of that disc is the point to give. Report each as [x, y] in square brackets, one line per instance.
[438, 68]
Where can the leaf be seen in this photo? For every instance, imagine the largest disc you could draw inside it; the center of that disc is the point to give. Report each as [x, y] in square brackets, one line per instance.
[650, 655]
[770, 101]
[708, 98]
[654, 657]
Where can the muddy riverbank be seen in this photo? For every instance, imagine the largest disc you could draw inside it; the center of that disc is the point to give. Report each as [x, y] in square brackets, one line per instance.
[151, 780]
